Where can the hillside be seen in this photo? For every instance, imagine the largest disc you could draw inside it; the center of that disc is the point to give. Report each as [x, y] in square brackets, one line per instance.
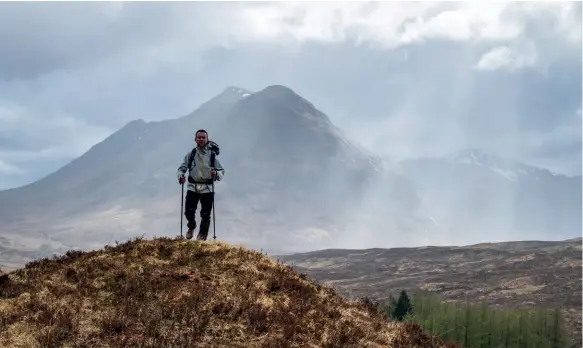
[164, 292]
[512, 274]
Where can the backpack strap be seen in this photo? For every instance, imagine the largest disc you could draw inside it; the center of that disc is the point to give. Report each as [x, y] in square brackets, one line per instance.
[193, 152]
[191, 158]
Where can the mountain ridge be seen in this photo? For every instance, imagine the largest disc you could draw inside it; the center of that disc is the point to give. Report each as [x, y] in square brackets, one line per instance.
[495, 245]
[482, 157]
[471, 190]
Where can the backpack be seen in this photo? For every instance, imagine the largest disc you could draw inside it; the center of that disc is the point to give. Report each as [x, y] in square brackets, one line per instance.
[215, 150]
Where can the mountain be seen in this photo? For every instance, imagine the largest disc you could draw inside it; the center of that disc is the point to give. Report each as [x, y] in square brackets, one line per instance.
[543, 274]
[154, 293]
[293, 182]
[472, 191]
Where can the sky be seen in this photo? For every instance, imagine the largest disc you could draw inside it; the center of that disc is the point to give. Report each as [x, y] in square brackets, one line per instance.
[401, 78]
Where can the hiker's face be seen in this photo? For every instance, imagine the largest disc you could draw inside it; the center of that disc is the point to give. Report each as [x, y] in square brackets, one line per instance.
[201, 139]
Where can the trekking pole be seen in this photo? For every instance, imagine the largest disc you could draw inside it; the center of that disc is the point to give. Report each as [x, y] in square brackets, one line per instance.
[214, 227]
[181, 209]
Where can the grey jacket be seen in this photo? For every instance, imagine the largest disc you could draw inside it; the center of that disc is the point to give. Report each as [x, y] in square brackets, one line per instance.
[200, 170]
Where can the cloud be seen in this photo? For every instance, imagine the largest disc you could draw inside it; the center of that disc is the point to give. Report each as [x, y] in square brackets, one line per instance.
[59, 134]
[174, 32]
[558, 148]
[28, 141]
[403, 78]
[392, 24]
[504, 57]
[8, 169]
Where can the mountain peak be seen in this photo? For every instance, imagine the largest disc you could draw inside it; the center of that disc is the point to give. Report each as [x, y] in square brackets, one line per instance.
[229, 95]
[232, 94]
[279, 90]
[285, 96]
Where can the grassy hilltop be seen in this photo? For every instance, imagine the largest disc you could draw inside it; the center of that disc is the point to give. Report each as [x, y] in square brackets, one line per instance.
[174, 293]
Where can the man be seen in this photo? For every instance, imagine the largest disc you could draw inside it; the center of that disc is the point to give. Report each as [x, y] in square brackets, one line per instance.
[201, 177]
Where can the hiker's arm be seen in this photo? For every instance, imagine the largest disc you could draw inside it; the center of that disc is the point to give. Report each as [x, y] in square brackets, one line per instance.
[183, 167]
[220, 170]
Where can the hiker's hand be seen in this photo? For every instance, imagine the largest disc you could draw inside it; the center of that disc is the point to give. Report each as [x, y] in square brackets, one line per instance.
[213, 172]
[182, 179]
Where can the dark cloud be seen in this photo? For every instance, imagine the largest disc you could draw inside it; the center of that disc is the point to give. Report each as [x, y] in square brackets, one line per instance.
[37, 38]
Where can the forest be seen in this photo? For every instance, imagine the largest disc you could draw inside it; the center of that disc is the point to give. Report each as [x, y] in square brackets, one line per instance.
[479, 325]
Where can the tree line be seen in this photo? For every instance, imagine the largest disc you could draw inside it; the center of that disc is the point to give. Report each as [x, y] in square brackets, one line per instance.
[479, 325]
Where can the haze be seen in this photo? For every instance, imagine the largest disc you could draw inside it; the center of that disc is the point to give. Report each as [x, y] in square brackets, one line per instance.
[401, 79]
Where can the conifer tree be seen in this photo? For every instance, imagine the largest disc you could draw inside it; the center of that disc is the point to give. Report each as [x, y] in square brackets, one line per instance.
[403, 306]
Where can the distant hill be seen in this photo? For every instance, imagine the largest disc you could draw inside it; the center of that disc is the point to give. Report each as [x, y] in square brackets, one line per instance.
[173, 293]
[475, 193]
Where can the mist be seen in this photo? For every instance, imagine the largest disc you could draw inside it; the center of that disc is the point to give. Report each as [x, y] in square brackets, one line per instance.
[402, 82]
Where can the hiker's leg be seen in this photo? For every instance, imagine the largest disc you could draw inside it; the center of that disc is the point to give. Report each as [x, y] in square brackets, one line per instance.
[206, 206]
[192, 199]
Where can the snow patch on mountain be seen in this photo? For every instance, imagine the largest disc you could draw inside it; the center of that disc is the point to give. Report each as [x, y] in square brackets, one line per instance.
[232, 94]
[508, 168]
[239, 91]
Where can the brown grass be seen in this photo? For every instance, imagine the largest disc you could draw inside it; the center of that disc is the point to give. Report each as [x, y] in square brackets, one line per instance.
[175, 293]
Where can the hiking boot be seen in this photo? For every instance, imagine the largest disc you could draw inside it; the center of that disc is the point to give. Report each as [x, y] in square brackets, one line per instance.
[190, 231]
[204, 229]
[201, 236]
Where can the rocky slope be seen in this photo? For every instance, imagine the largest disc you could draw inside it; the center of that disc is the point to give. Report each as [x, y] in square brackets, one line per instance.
[173, 293]
[531, 273]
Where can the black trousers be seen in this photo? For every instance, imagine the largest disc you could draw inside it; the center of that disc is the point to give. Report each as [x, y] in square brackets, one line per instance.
[206, 207]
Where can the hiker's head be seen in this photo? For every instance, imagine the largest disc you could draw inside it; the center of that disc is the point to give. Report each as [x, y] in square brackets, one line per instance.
[201, 137]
